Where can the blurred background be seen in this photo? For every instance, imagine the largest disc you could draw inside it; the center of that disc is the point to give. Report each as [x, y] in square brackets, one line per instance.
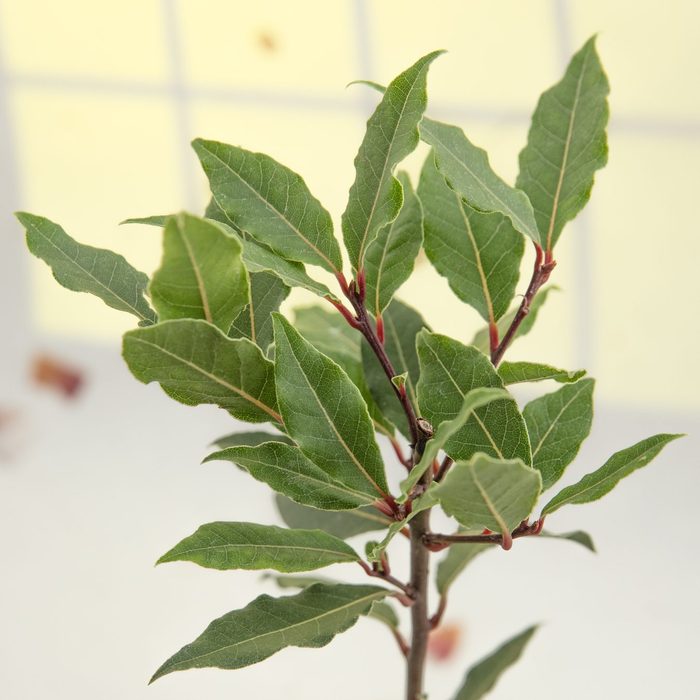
[99, 475]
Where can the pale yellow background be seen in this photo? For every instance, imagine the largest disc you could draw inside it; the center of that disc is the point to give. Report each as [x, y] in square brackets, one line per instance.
[104, 97]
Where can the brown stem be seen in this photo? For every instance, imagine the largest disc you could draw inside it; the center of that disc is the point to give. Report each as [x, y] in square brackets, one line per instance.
[375, 572]
[436, 619]
[447, 462]
[420, 624]
[435, 541]
[421, 432]
[401, 641]
[544, 264]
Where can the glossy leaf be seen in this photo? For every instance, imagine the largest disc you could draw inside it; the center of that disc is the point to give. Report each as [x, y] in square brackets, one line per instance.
[449, 371]
[249, 439]
[558, 423]
[196, 363]
[483, 676]
[270, 202]
[596, 484]
[401, 326]
[481, 339]
[391, 256]
[478, 253]
[566, 144]
[392, 133]
[468, 172]
[288, 471]
[458, 557]
[519, 372]
[201, 274]
[343, 524]
[489, 493]
[324, 413]
[265, 294]
[244, 637]
[475, 399]
[82, 268]
[240, 545]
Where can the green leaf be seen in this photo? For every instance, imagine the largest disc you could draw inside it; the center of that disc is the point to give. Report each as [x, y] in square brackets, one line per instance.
[158, 220]
[484, 492]
[201, 273]
[392, 133]
[256, 256]
[259, 258]
[286, 470]
[392, 254]
[331, 334]
[468, 172]
[476, 398]
[265, 294]
[578, 536]
[227, 546]
[478, 253]
[566, 144]
[324, 413]
[82, 268]
[384, 612]
[518, 372]
[558, 423]
[596, 484]
[449, 371]
[196, 363]
[481, 339]
[249, 439]
[459, 556]
[294, 581]
[344, 524]
[270, 202]
[484, 675]
[265, 626]
[401, 326]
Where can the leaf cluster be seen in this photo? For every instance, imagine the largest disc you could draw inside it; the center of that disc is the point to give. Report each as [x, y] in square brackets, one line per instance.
[358, 392]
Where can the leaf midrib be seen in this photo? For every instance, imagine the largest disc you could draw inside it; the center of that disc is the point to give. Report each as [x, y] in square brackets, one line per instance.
[321, 550]
[332, 484]
[89, 274]
[556, 420]
[477, 257]
[197, 272]
[492, 508]
[604, 479]
[409, 93]
[243, 394]
[507, 210]
[345, 446]
[565, 157]
[474, 413]
[316, 619]
[273, 208]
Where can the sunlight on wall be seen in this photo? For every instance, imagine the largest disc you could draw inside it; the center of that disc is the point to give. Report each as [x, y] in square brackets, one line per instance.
[105, 96]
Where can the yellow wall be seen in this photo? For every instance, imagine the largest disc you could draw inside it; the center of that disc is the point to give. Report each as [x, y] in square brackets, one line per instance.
[104, 96]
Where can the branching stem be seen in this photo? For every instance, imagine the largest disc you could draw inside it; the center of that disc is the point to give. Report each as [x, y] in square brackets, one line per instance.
[544, 264]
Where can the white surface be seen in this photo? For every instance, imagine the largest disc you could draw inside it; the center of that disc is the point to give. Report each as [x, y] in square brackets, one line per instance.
[106, 484]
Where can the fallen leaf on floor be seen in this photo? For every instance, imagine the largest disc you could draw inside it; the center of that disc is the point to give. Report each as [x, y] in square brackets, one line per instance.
[54, 374]
[443, 642]
[9, 434]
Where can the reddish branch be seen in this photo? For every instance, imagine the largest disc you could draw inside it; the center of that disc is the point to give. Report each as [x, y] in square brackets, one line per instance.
[435, 542]
[544, 264]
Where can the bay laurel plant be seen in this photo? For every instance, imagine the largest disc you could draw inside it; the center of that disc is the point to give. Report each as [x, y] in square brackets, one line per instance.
[363, 369]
